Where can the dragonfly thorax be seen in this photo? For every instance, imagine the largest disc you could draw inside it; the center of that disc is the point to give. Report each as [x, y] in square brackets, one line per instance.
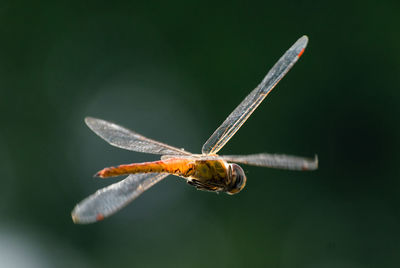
[209, 175]
[217, 176]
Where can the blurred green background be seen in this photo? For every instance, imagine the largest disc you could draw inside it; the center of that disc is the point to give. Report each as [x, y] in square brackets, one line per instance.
[173, 70]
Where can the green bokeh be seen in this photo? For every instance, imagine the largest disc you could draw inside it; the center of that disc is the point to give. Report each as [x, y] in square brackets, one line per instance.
[173, 70]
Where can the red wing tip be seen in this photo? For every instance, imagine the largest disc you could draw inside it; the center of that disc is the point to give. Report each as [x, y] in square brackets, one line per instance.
[305, 168]
[311, 165]
[301, 52]
[77, 220]
[99, 217]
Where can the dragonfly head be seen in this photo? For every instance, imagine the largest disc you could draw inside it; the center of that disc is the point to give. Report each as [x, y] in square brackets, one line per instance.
[237, 178]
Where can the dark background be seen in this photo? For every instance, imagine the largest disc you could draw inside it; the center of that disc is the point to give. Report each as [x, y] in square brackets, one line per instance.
[173, 70]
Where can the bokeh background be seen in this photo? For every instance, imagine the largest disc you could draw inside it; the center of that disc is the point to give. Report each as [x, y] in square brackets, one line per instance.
[173, 70]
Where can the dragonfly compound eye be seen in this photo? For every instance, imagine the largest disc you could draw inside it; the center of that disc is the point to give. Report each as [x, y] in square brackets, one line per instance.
[238, 179]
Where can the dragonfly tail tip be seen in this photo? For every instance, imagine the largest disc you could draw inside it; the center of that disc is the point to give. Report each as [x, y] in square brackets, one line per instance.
[99, 174]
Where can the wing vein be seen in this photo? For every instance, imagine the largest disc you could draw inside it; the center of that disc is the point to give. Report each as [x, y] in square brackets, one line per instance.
[124, 138]
[114, 197]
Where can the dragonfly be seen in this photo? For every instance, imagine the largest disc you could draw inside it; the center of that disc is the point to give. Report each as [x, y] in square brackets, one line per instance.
[206, 171]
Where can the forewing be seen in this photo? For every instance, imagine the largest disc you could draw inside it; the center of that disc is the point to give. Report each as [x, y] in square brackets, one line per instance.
[109, 200]
[127, 139]
[275, 161]
[236, 119]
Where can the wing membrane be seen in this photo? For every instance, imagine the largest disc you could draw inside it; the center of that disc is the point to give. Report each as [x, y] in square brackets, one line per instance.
[236, 119]
[192, 157]
[109, 200]
[127, 139]
[275, 161]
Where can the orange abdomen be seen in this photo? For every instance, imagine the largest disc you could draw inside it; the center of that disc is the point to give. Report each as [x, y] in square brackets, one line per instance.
[179, 167]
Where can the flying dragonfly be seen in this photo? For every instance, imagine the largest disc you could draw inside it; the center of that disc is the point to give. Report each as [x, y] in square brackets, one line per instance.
[207, 171]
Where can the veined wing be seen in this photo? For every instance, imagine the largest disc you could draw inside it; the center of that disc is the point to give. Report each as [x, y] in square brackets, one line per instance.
[275, 161]
[236, 119]
[192, 157]
[127, 139]
[109, 200]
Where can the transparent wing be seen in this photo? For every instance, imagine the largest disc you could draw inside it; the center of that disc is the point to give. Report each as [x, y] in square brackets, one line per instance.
[192, 157]
[126, 139]
[109, 200]
[236, 119]
[275, 161]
